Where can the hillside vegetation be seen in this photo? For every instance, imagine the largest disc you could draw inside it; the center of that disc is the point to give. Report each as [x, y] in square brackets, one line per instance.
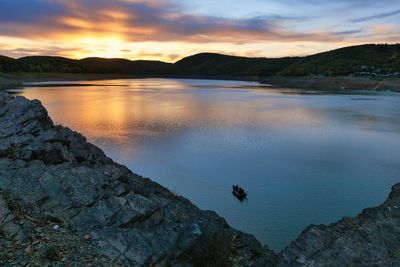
[217, 64]
[375, 60]
[49, 64]
[371, 60]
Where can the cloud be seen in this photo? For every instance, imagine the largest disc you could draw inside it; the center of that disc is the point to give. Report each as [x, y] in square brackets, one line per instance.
[139, 21]
[28, 11]
[378, 16]
[147, 55]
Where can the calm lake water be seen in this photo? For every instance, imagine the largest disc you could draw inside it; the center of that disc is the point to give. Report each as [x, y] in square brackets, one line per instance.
[304, 158]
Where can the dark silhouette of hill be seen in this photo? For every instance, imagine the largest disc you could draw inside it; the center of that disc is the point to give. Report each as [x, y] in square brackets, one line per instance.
[47, 64]
[217, 64]
[375, 60]
[8, 64]
[123, 66]
[88, 65]
[368, 59]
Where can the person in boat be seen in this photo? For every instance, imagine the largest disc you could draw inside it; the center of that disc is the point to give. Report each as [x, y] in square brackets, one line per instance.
[239, 192]
[238, 189]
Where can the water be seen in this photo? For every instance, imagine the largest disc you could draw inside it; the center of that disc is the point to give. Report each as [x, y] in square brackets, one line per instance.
[304, 158]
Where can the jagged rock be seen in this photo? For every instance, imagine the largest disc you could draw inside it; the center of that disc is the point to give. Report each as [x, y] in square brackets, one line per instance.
[370, 239]
[8, 227]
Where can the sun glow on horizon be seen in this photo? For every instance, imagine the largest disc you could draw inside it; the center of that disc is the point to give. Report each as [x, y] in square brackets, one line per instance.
[79, 47]
[100, 47]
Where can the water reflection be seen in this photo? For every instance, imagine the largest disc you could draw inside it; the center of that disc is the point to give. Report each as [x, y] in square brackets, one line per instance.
[155, 108]
[304, 158]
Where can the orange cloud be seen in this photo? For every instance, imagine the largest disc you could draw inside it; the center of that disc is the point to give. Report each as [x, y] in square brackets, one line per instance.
[140, 21]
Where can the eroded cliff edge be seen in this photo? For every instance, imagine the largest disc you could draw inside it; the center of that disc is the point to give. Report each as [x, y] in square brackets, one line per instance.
[63, 201]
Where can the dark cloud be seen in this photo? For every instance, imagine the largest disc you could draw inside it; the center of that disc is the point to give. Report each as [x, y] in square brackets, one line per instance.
[349, 32]
[378, 16]
[143, 21]
[28, 11]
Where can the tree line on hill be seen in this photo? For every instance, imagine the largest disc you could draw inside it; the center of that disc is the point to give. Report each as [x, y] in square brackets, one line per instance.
[371, 60]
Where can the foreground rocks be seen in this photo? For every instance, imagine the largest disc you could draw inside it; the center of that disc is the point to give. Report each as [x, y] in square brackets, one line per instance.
[64, 203]
[370, 239]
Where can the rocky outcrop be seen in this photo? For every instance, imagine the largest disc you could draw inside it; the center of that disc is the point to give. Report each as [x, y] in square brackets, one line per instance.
[58, 189]
[62, 201]
[370, 239]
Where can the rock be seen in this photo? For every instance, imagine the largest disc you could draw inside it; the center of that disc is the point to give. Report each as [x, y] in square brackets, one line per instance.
[8, 226]
[196, 229]
[370, 239]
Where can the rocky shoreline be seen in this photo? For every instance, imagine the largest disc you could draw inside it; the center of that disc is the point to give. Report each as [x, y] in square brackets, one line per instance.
[64, 203]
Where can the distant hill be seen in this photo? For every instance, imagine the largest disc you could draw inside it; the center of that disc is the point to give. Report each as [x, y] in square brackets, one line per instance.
[371, 60]
[123, 66]
[7, 64]
[217, 64]
[375, 60]
[47, 64]
[87, 65]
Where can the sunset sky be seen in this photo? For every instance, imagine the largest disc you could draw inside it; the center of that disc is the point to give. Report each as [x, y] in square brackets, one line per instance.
[170, 29]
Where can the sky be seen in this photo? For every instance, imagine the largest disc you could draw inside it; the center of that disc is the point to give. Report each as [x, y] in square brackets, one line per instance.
[168, 30]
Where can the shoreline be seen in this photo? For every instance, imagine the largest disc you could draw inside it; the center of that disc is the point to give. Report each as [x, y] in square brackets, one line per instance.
[335, 83]
[319, 83]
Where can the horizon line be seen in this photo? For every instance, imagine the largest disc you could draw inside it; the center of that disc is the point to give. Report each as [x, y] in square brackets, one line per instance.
[214, 53]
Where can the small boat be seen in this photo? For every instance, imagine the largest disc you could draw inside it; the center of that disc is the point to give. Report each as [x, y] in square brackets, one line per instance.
[239, 192]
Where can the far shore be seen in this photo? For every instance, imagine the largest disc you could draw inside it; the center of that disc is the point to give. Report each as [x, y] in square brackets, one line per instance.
[336, 83]
[13, 80]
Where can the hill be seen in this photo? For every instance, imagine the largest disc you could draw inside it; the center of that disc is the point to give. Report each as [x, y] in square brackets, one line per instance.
[50, 64]
[372, 60]
[217, 64]
[47, 64]
[123, 66]
[7, 64]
